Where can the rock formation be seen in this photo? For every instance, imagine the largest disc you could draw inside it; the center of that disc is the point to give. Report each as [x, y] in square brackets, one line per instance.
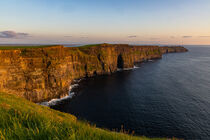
[41, 74]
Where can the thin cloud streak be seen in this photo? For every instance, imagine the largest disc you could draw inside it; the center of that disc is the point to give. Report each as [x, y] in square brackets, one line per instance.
[187, 36]
[13, 34]
[204, 36]
[68, 36]
[132, 36]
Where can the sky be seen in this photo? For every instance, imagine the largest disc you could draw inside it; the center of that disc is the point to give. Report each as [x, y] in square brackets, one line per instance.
[176, 22]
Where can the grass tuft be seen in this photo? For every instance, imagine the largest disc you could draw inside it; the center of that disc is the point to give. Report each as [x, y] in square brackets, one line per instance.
[24, 120]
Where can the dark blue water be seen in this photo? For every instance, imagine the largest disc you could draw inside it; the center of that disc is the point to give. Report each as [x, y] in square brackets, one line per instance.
[169, 97]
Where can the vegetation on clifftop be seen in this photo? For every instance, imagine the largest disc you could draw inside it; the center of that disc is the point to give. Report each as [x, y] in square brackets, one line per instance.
[23, 120]
[23, 47]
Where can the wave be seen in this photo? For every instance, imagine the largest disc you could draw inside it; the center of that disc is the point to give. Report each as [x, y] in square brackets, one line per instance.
[77, 80]
[135, 67]
[72, 94]
[56, 101]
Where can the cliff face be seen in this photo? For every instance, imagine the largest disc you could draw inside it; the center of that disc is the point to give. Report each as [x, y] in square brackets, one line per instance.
[45, 73]
[173, 49]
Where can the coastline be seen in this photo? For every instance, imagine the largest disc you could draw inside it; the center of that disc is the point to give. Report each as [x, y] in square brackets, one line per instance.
[44, 73]
[70, 95]
[76, 83]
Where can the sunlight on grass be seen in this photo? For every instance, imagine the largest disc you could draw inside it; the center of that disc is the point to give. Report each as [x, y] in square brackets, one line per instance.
[23, 120]
[23, 47]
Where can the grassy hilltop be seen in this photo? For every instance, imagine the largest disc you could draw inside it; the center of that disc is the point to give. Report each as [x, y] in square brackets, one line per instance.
[24, 120]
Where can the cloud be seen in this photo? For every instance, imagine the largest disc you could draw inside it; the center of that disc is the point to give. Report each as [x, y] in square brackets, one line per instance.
[68, 36]
[204, 36]
[12, 34]
[187, 36]
[132, 36]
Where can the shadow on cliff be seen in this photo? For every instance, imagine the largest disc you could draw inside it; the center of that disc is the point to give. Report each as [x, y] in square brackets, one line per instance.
[120, 62]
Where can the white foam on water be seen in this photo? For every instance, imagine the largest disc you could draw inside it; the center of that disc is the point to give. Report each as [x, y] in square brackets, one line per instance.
[71, 94]
[120, 69]
[77, 80]
[128, 68]
[72, 86]
[135, 67]
[55, 101]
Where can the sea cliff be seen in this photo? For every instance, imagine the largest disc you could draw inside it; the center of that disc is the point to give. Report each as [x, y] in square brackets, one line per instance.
[41, 74]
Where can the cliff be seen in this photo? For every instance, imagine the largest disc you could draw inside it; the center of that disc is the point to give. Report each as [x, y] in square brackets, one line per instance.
[41, 74]
[172, 49]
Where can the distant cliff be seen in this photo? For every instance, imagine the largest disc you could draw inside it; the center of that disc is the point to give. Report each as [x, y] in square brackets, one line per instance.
[172, 49]
[41, 74]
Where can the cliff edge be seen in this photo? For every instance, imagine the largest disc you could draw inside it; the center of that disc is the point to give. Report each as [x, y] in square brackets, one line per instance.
[41, 74]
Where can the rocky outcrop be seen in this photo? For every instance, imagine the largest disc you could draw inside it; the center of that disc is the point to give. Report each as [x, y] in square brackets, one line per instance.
[172, 49]
[44, 73]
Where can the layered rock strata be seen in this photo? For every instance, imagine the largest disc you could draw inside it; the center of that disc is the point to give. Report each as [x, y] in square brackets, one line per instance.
[41, 74]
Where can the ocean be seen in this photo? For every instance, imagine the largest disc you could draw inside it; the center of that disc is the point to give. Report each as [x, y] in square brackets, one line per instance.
[169, 97]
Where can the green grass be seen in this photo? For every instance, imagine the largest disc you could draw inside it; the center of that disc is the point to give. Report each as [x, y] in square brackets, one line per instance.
[42, 46]
[23, 47]
[24, 120]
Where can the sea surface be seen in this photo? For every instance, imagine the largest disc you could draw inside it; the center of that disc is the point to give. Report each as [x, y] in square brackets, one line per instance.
[169, 97]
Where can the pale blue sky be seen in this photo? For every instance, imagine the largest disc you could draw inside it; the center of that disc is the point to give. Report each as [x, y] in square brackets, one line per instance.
[112, 21]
